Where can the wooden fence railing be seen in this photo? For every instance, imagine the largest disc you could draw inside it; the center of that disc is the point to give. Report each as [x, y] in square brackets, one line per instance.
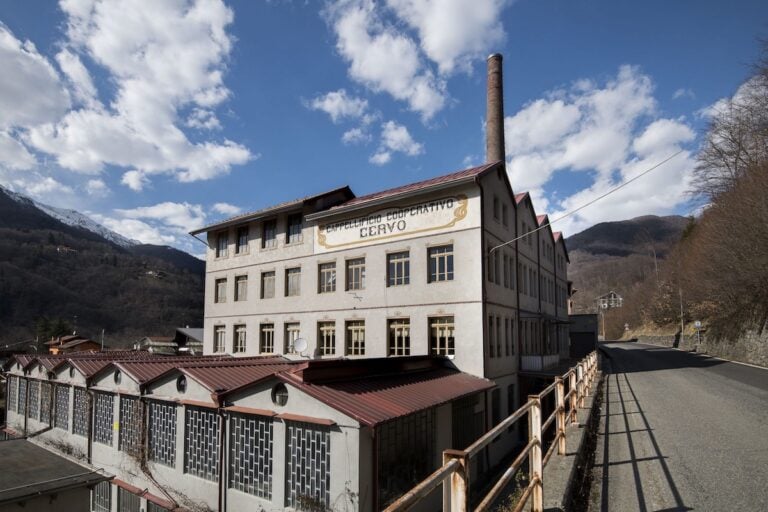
[455, 473]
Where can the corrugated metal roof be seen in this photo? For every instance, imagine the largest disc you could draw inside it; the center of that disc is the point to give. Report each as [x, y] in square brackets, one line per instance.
[223, 378]
[374, 400]
[519, 197]
[413, 187]
[270, 209]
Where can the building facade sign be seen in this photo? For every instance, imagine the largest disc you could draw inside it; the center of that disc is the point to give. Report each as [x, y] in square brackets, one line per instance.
[390, 223]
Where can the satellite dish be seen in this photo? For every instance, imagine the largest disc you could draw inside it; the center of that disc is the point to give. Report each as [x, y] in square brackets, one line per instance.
[300, 345]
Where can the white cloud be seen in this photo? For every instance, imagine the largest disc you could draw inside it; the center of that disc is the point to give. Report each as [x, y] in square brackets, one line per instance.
[226, 209]
[395, 138]
[184, 216]
[136, 230]
[612, 131]
[381, 157]
[163, 59]
[97, 188]
[45, 187]
[203, 119]
[683, 93]
[13, 154]
[383, 58]
[453, 33]
[135, 180]
[30, 92]
[339, 105]
[79, 78]
[356, 136]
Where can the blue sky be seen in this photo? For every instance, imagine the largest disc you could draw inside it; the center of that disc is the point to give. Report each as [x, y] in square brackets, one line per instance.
[155, 117]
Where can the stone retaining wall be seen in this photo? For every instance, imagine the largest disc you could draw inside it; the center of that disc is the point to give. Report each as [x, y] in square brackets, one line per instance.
[751, 347]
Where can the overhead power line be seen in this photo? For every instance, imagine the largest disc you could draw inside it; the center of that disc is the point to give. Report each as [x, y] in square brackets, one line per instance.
[588, 203]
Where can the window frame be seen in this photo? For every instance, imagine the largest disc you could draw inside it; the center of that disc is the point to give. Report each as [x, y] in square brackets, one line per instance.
[219, 338]
[219, 291]
[291, 274]
[291, 237]
[355, 273]
[326, 277]
[442, 343]
[241, 285]
[239, 344]
[400, 261]
[222, 251]
[354, 338]
[241, 248]
[267, 338]
[440, 253]
[269, 227]
[326, 338]
[398, 337]
[268, 276]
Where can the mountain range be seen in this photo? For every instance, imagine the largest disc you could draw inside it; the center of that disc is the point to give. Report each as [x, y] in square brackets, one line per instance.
[61, 264]
[617, 256]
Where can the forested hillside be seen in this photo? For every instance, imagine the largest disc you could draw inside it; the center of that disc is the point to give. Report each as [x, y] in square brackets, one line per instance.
[718, 272]
[54, 277]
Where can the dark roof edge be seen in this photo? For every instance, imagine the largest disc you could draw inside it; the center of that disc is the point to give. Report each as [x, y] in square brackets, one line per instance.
[267, 212]
[403, 195]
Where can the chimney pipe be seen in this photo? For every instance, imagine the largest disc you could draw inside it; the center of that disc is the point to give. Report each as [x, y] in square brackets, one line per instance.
[494, 115]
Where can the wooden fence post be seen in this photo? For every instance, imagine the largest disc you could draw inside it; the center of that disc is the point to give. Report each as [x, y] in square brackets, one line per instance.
[459, 481]
[536, 468]
[572, 387]
[560, 418]
[580, 384]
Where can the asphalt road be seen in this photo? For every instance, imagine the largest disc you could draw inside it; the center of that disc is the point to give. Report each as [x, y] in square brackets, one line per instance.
[680, 431]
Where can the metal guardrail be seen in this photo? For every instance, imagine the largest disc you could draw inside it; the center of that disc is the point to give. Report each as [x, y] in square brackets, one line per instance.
[455, 469]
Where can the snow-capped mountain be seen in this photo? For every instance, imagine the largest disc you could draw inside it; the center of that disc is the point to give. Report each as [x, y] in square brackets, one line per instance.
[73, 218]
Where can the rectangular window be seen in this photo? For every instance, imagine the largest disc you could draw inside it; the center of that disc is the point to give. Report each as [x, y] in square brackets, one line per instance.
[491, 341]
[267, 339]
[10, 401]
[399, 337]
[292, 333]
[495, 407]
[201, 444]
[45, 402]
[441, 340]
[505, 214]
[292, 282]
[80, 419]
[498, 336]
[356, 274]
[355, 338]
[506, 270]
[219, 338]
[131, 424]
[161, 431]
[250, 454]
[241, 288]
[34, 399]
[293, 233]
[239, 339]
[406, 447]
[21, 406]
[242, 240]
[507, 335]
[326, 338]
[510, 403]
[267, 285]
[326, 277]
[269, 234]
[222, 245]
[496, 208]
[127, 501]
[512, 276]
[220, 294]
[308, 471]
[491, 275]
[440, 263]
[61, 417]
[103, 414]
[101, 497]
[398, 268]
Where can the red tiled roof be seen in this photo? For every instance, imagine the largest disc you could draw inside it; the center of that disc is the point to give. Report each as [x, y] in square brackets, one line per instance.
[373, 400]
[519, 197]
[556, 235]
[540, 219]
[411, 187]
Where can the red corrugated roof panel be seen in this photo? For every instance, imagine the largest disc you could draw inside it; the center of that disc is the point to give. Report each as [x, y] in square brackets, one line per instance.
[447, 178]
[375, 400]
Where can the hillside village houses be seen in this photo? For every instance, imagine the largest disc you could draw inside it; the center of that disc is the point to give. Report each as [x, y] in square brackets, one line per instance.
[347, 342]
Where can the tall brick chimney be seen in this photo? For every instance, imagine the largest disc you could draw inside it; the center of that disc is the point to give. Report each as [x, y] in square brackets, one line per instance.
[494, 116]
